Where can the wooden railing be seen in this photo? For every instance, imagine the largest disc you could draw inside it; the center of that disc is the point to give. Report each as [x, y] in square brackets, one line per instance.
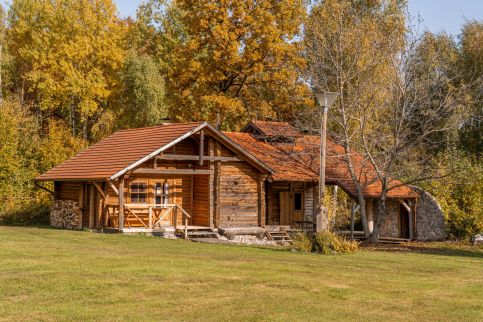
[157, 213]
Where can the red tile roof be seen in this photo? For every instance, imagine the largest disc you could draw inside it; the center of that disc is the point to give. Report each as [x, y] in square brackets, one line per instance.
[273, 129]
[116, 152]
[299, 161]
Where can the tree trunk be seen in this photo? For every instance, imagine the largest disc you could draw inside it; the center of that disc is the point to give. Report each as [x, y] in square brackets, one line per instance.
[381, 214]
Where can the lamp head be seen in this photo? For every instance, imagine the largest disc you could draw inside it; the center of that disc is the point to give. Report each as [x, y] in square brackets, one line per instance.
[326, 99]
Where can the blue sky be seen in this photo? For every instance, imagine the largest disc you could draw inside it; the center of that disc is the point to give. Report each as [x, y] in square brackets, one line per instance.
[437, 15]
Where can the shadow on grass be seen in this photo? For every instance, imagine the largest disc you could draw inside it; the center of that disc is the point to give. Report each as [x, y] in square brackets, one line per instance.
[441, 250]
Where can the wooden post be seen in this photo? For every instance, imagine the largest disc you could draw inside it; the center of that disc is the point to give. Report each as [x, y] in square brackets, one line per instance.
[269, 219]
[261, 200]
[175, 215]
[202, 146]
[150, 217]
[211, 184]
[353, 214]
[81, 205]
[121, 203]
[216, 187]
[185, 227]
[92, 212]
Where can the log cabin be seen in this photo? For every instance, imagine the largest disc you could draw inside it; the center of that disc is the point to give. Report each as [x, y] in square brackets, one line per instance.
[181, 176]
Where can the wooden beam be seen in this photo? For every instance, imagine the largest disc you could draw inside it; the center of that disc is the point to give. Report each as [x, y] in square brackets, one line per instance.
[121, 203]
[92, 213]
[211, 180]
[81, 205]
[217, 185]
[182, 157]
[269, 203]
[202, 146]
[113, 187]
[261, 200]
[98, 187]
[176, 171]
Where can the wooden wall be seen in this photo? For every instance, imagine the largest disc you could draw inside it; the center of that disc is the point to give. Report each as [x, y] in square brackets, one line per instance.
[236, 203]
[238, 195]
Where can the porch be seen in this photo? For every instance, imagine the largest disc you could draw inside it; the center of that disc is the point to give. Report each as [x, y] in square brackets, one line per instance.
[148, 218]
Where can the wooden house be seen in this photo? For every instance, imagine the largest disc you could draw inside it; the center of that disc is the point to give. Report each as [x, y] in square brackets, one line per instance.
[185, 175]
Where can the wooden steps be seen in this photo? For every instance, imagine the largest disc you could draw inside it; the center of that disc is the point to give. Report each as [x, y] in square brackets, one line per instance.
[197, 232]
[278, 235]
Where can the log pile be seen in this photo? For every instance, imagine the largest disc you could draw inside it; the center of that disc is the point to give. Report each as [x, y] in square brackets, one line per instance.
[65, 214]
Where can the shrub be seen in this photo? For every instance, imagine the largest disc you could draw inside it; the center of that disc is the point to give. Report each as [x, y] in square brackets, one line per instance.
[32, 215]
[329, 243]
[463, 226]
[302, 242]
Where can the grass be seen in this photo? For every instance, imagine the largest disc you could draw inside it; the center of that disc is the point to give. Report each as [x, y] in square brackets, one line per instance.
[48, 274]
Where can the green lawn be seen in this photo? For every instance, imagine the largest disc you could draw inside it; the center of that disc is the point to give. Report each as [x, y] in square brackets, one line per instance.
[50, 274]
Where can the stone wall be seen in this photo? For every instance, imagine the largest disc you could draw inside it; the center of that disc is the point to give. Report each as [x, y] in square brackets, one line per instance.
[430, 220]
[390, 226]
[65, 214]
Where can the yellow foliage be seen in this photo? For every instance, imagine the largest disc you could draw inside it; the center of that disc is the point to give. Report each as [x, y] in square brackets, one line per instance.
[67, 53]
[238, 59]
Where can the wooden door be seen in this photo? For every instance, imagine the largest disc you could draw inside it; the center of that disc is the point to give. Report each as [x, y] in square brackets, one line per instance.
[285, 206]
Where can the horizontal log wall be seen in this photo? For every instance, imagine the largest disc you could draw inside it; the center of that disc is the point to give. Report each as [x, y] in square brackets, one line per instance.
[238, 195]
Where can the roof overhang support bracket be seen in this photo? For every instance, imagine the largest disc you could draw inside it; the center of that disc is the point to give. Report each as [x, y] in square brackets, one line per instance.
[113, 187]
[98, 187]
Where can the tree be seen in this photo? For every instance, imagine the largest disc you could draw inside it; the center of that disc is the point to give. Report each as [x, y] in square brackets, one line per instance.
[67, 56]
[349, 48]
[471, 64]
[235, 60]
[143, 92]
[400, 137]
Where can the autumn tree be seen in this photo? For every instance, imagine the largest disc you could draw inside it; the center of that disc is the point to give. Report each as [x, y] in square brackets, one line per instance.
[67, 56]
[235, 60]
[349, 47]
[471, 64]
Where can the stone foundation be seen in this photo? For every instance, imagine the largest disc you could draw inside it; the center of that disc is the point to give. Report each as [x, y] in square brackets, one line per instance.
[65, 214]
[430, 220]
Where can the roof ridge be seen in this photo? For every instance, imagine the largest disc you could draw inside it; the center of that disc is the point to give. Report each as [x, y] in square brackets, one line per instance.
[156, 126]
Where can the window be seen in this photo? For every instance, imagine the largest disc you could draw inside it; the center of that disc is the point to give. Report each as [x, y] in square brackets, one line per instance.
[298, 201]
[138, 192]
[161, 193]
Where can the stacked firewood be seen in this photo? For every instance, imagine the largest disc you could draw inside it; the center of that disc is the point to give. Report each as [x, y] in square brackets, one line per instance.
[65, 214]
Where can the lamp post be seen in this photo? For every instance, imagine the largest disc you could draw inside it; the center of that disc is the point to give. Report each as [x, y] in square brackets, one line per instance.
[325, 100]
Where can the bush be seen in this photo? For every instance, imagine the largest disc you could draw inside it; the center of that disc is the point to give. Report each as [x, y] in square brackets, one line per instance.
[30, 216]
[324, 243]
[329, 243]
[463, 226]
[460, 196]
[302, 242]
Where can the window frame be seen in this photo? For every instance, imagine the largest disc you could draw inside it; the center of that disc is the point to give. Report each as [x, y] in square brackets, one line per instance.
[138, 192]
